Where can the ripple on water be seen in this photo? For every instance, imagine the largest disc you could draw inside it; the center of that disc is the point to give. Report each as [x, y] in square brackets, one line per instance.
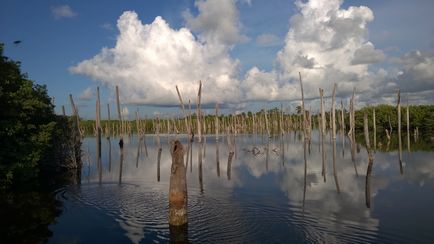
[220, 215]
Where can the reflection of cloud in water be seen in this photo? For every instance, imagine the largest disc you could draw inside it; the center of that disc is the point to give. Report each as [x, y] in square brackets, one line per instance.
[324, 207]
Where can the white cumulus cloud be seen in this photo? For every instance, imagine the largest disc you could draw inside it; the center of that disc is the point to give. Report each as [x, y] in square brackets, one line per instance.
[150, 59]
[321, 44]
[217, 22]
[367, 54]
[325, 42]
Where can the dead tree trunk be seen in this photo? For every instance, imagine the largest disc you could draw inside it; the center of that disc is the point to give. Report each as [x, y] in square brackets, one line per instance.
[178, 187]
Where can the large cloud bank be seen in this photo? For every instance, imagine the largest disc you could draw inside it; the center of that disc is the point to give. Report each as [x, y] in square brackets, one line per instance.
[326, 43]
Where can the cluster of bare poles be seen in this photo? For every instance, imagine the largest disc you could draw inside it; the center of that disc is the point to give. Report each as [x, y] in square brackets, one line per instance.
[198, 124]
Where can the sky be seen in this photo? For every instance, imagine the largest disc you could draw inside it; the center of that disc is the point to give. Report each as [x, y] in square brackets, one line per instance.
[247, 53]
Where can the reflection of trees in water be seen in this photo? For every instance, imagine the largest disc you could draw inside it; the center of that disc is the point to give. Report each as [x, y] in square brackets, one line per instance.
[27, 213]
[25, 217]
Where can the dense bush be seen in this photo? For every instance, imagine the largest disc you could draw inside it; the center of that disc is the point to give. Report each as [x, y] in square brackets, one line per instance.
[28, 126]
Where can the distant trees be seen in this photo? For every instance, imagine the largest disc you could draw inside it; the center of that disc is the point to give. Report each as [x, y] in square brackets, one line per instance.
[421, 117]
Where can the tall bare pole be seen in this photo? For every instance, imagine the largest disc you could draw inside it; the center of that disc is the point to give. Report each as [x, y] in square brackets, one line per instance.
[408, 128]
[109, 120]
[199, 124]
[302, 107]
[323, 118]
[342, 117]
[98, 121]
[334, 112]
[370, 162]
[399, 131]
[374, 123]
[183, 111]
[75, 113]
[353, 113]
[119, 109]
[216, 121]
[266, 122]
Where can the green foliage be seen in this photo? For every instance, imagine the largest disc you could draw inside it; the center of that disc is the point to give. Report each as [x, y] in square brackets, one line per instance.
[421, 117]
[27, 124]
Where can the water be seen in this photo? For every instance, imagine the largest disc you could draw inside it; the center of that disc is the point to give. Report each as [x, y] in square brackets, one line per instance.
[270, 196]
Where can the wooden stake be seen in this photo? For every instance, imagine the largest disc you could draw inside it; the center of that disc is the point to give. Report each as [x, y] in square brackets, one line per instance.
[119, 109]
[374, 123]
[370, 162]
[302, 107]
[199, 125]
[178, 187]
[334, 112]
[217, 121]
[408, 128]
[399, 132]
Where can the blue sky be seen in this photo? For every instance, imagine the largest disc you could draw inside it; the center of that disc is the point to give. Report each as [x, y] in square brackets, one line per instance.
[248, 53]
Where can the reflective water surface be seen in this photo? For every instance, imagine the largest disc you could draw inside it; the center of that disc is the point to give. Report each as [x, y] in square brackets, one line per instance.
[272, 191]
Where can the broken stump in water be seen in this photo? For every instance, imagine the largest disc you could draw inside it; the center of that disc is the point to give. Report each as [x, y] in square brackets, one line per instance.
[178, 186]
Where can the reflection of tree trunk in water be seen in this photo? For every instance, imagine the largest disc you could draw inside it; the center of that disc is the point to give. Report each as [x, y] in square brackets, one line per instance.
[144, 144]
[110, 153]
[217, 157]
[99, 157]
[370, 162]
[191, 155]
[282, 149]
[343, 144]
[121, 162]
[158, 163]
[401, 170]
[88, 165]
[231, 155]
[204, 146]
[309, 146]
[267, 153]
[99, 170]
[234, 146]
[305, 172]
[353, 152]
[138, 153]
[335, 174]
[368, 184]
[178, 234]
[323, 157]
[199, 159]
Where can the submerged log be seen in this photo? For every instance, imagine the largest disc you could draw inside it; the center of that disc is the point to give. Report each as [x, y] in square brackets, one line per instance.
[178, 186]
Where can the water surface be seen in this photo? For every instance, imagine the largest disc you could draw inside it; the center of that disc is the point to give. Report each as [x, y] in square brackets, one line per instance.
[269, 193]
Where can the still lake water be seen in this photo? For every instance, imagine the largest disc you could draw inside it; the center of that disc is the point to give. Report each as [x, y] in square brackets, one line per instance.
[261, 197]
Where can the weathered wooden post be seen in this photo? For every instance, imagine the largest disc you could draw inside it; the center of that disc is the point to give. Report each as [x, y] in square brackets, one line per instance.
[408, 129]
[398, 107]
[302, 108]
[334, 112]
[370, 162]
[178, 187]
[375, 128]
[98, 133]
